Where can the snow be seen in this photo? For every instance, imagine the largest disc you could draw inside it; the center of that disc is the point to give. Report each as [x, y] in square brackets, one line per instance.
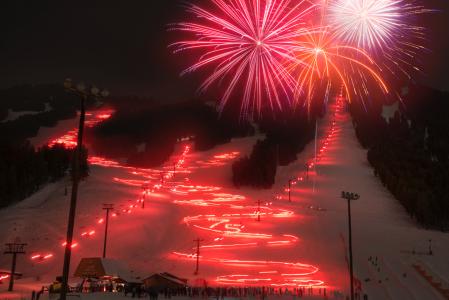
[46, 134]
[311, 230]
[381, 226]
[388, 111]
[14, 115]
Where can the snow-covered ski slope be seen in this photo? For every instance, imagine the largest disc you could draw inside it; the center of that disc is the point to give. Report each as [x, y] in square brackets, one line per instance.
[302, 242]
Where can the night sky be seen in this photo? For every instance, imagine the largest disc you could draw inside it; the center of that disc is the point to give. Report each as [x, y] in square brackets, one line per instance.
[122, 45]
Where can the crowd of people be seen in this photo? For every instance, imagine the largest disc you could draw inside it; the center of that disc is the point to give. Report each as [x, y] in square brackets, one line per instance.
[219, 293]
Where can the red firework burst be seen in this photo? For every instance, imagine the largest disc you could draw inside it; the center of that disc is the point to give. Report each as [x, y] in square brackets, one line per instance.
[248, 43]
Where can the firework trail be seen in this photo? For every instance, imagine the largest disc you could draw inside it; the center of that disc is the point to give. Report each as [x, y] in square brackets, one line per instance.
[247, 44]
[382, 27]
[325, 59]
[276, 53]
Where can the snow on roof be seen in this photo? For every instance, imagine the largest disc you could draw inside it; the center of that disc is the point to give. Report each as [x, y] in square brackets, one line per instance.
[170, 277]
[116, 268]
[102, 267]
[174, 277]
[8, 272]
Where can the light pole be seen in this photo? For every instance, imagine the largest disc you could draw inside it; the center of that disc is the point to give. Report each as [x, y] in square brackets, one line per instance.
[289, 190]
[84, 94]
[145, 191]
[107, 208]
[430, 247]
[258, 210]
[162, 177]
[350, 196]
[14, 249]
[197, 241]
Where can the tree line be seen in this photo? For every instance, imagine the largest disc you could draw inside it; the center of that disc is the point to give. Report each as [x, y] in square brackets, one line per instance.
[34, 99]
[24, 170]
[148, 137]
[410, 153]
[287, 134]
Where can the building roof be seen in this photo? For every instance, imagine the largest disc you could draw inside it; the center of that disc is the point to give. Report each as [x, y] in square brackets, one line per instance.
[170, 277]
[8, 272]
[96, 267]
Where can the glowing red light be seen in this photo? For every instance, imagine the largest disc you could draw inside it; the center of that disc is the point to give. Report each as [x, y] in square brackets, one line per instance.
[69, 140]
[2, 277]
[74, 244]
[88, 233]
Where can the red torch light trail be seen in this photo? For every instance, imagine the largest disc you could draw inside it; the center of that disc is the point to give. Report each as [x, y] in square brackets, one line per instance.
[226, 230]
